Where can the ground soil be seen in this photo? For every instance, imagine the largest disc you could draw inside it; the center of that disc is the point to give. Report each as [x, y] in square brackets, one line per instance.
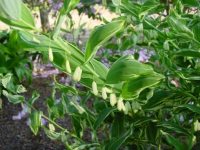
[16, 134]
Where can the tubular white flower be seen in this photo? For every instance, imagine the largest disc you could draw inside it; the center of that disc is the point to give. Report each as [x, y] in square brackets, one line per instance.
[108, 90]
[94, 88]
[77, 74]
[127, 107]
[113, 99]
[104, 93]
[196, 126]
[67, 66]
[50, 54]
[51, 127]
[120, 105]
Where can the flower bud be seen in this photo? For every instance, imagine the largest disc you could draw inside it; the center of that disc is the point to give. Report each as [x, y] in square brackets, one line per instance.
[50, 55]
[113, 99]
[108, 90]
[77, 74]
[196, 126]
[104, 93]
[67, 66]
[94, 88]
[127, 107]
[135, 106]
[120, 105]
[51, 127]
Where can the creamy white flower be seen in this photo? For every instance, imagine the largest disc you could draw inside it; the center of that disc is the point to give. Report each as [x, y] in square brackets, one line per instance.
[113, 99]
[104, 93]
[67, 66]
[127, 107]
[94, 88]
[196, 126]
[51, 127]
[120, 105]
[77, 74]
[50, 55]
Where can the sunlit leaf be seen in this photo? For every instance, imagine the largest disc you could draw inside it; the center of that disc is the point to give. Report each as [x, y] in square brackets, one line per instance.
[134, 87]
[100, 35]
[35, 121]
[127, 68]
[15, 99]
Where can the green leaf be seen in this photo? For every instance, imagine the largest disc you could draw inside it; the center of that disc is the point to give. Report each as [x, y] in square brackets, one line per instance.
[65, 88]
[127, 68]
[7, 82]
[180, 27]
[133, 88]
[192, 108]
[115, 143]
[34, 97]
[100, 35]
[52, 134]
[86, 146]
[69, 5]
[191, 3]
[10, 9]
[118, 128]
[77, 125]
[116, 2]
[25, 19]
[149, 5]
[26, 16]
[157, 101]
[15, 99]
[35, 121]
[20, 89]
[139, 120]
[99, 68]
[196, 31]
[102, 116]
[188, 53]
[174, 127]
[173, 141]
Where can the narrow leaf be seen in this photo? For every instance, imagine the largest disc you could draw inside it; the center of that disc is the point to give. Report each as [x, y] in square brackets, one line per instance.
[173, 141]
[117, 142]
[35, 121]
[100, 35]
[102, 116]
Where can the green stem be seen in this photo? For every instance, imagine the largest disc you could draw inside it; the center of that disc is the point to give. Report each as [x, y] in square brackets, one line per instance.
[59, 23]
[54, 123]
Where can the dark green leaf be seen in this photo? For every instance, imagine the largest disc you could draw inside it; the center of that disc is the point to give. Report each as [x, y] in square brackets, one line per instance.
[102, 116]
[174, 127]
[115, 143]
[188, 53]
[192, 108]
[173, 141]
[192, 3]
